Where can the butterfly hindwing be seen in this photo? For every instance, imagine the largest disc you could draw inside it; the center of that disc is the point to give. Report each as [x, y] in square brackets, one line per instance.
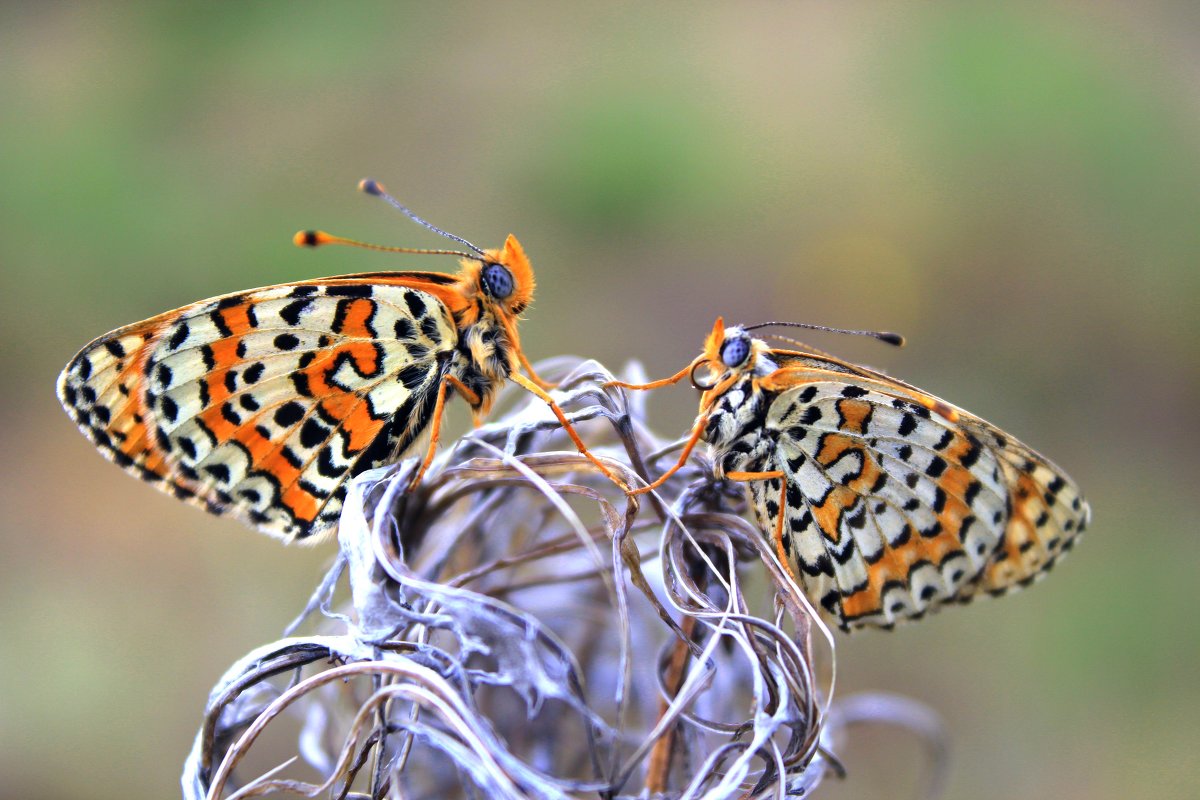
[896, 503]
[261, 405]
[1046, 513]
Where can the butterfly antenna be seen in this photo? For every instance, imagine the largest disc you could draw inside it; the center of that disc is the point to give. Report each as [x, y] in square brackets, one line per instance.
[883, 336]
[374, 187]
[803, 345]
[318, 238]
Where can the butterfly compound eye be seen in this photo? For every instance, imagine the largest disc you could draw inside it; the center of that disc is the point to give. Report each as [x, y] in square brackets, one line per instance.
[497, 281]
[735, 351]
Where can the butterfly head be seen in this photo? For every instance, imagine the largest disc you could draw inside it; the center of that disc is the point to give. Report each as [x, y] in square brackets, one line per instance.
[503, 278]
[729, 355]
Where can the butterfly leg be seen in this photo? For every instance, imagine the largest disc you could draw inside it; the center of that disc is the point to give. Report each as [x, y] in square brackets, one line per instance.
[533, 376]
[676, 378]
[435, 426]
[511, 330]
[697, 432]
[532, 387]
[777, 538]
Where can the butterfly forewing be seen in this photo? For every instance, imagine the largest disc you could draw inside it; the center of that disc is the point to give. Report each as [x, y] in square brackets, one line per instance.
[261, 405]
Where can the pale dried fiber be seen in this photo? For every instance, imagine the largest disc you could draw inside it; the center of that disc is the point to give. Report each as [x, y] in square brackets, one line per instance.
[518, 627]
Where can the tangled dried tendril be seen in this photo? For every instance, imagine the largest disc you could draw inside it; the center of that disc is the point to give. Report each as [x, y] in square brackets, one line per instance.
[517, 627]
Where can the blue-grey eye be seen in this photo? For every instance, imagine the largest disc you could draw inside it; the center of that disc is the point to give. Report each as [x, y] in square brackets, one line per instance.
[735, 351]
[497, 281]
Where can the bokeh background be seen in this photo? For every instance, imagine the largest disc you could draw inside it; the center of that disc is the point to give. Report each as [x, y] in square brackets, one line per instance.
[1014, 187]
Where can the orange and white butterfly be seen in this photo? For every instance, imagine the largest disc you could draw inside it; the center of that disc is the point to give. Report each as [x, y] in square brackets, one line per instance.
[884, 501]
[261, 405]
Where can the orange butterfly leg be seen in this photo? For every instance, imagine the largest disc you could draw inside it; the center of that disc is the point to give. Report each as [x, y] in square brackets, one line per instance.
[435, 427]
[471, 397]
[780, 551]
[676, 378]
[533, 376]
[697, 431]
[530, 386]
[467, 394]
[538, 380]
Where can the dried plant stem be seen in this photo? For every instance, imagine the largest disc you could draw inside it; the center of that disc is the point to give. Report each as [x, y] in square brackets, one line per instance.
[518, 627]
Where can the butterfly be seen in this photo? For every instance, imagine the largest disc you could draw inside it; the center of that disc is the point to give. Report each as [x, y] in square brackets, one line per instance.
[884, 501]
[261, 405]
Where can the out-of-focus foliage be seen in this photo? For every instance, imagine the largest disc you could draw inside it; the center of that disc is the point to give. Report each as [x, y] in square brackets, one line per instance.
[1013, 187]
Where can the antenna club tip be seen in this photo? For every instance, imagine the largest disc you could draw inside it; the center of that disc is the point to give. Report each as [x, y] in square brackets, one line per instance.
[309, 238]
[371, 186]
[892, 338]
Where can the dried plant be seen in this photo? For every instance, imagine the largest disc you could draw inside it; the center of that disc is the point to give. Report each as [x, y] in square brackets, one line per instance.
[518, 627]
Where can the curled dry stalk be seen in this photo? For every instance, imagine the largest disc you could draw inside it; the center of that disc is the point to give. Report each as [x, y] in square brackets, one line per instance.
[518, 627]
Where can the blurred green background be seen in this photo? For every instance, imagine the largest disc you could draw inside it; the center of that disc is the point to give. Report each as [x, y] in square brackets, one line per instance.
[1015, 188]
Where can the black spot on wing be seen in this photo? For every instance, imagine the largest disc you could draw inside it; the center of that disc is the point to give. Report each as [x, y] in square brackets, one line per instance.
[291, 312]
[178, 337]
[404, 329]
[220, 472]
[416, 306]
[314, 490]
[230, 414]
[300, 384]
[218, 321]
[325, 465]
[972, 455]
[352, 290]
[289, 455]
[168, 408]
[429, 327]
[289, 414]
[312, 434]
[187, 446]
[413, 376]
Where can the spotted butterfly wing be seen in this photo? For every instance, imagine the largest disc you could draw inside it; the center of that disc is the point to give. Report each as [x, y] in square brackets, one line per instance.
[885, 501]
[261, 405]
[896, 502]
